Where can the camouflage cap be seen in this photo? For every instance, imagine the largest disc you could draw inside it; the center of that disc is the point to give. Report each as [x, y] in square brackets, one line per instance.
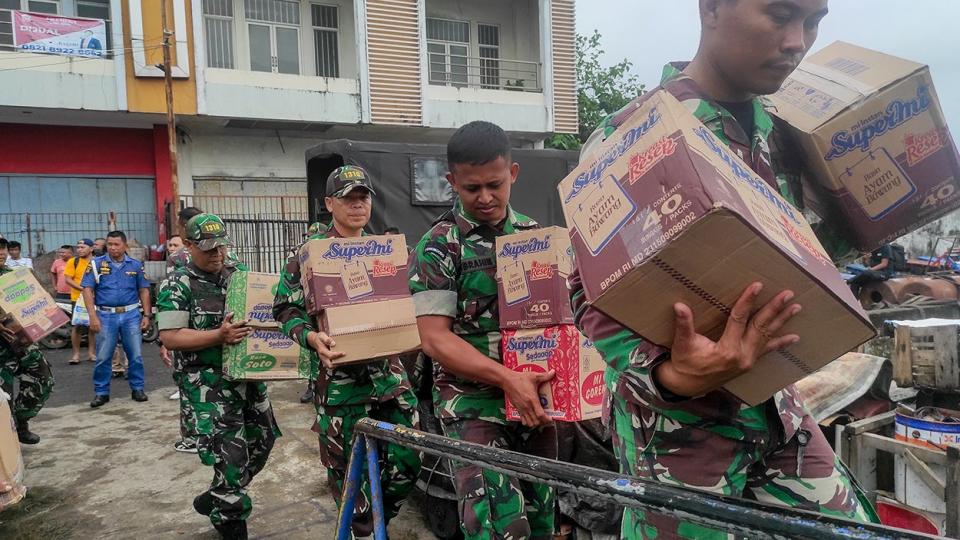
[207, 231]
[345, 179]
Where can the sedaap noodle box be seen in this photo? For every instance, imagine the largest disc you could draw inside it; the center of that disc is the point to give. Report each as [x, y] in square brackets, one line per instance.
[576, 391]
[27, 309]
[665, 212]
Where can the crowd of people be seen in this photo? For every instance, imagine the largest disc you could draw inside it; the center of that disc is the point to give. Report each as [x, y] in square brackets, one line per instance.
[670, 418]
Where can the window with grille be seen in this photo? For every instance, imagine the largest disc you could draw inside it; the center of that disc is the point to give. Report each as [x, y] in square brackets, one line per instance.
[7, 7]
[447, 45]
[218, 33]
[326, 39]
[98, 9]
[273, 28]
[488, 38]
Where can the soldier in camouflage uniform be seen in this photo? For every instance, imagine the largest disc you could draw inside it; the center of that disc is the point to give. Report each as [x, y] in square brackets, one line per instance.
[672, 420]
[29, 367]
[453, 281]
[377, 389]
[234, 419]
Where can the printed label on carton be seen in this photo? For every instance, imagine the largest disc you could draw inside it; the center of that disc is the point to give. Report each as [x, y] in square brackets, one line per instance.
[920, 146]
[601, 213]
[862, 135]
[878, 183]
[356, 281]
[515, 288]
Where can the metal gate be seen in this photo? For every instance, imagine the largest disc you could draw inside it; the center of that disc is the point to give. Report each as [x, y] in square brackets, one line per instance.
[41, 233]
[264, 229]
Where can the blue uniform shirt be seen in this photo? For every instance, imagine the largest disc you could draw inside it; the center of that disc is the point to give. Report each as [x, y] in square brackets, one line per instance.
[120, 283]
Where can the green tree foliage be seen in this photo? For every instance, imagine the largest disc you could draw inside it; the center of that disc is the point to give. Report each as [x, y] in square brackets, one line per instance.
[600, 90]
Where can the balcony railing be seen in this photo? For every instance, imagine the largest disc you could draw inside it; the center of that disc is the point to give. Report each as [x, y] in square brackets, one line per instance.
[485, 73]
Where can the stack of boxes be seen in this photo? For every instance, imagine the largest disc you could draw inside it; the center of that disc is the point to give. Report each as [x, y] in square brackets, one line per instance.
[357, 290]
[266, 354]
[537, 324]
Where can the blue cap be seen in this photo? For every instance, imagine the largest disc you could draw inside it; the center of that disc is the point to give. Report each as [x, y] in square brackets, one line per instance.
[86, 241]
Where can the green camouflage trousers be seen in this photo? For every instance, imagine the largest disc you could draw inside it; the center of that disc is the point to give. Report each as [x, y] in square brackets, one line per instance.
[236, 429]
[399, 465]
[36, 380]
[804, 476]
[494, 506]
[188, 428]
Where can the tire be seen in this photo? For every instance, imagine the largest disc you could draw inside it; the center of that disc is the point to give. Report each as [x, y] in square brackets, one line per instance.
[55, 341]
[442, 517]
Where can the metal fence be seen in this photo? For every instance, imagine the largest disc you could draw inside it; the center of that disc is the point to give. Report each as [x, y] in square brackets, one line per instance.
[486, 73]
[264, 229]
[40, 233]
[713, 515]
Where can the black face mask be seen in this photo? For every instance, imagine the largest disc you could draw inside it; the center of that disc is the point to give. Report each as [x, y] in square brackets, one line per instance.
[99, 252]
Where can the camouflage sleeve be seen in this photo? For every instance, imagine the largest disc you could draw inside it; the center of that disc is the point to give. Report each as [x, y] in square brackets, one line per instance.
[173, 302]
[624, 351]
[433, 272]
[289, 305]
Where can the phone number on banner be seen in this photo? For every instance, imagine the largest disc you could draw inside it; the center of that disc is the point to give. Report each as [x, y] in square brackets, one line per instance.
[70, 51]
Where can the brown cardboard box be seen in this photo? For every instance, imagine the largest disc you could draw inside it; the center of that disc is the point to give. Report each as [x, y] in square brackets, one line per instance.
[874, 135]
[372, 330]
[665, 212]
[532, 269]
[345, 271]
[576, 391]
[27, 309]
[11, 460]
[266, 354]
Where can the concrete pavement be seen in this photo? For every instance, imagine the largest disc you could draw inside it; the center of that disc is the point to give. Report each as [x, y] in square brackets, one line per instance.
[113, 473]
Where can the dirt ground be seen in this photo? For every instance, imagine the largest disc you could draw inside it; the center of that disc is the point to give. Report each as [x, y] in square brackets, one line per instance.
[113, 473]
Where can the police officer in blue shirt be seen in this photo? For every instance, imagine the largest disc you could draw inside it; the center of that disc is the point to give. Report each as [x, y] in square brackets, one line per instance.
[117, 286]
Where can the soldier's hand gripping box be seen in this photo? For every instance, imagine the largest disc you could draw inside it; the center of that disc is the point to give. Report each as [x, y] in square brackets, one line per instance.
[266, 354]
[532, 269]
[11, 460]
[347, 271]
[26, 309]
[664, 212]
[373, 330]
[875, 140]
[576, 391]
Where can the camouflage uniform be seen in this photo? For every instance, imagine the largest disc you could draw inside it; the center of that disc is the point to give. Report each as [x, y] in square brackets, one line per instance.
[773, 452]
[342, 396]
[453, 274]
[234, 419]
[34, 373]
[188, 428]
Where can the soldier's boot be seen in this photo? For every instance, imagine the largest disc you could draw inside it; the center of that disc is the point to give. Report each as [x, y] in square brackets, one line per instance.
[203, 503]
[24, 434]
[232, 530]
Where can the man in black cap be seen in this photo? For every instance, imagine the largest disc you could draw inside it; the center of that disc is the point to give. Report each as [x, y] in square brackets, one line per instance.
[377, 389]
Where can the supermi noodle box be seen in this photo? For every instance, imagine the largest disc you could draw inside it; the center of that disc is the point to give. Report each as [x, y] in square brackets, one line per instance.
[532, 269]
[665, 212]
[576, 391]
[874, 136]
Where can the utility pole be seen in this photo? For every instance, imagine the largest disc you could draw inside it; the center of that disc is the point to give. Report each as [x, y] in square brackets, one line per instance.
[171, 119]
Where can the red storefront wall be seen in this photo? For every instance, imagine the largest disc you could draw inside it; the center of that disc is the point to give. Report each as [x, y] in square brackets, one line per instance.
[90, 151]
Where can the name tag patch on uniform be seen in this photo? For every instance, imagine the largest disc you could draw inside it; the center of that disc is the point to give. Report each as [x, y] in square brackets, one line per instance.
[134, 273]
[478, 263]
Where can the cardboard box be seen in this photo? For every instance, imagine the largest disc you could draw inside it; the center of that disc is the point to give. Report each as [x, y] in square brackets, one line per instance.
[372, 331]
[532, 269]
[250, 298]
[11, 460]
[875, 138]
[345, 271]
[665, 212]
[27, 309]
[576, 391]
[266, 354]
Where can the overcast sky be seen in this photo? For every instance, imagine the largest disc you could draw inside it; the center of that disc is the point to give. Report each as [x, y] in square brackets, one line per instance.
[651, 33]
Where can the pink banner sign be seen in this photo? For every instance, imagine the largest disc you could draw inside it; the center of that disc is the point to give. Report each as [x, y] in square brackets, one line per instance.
[52, 34]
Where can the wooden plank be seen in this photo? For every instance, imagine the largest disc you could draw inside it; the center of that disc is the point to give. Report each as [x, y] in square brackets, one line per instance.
[952, 492]
[945, 348]
[879, 442]
[924, 472]
[902, 357]
[870, 424]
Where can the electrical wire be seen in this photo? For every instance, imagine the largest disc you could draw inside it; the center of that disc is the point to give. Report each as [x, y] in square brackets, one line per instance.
[115, 52]
[74, 59]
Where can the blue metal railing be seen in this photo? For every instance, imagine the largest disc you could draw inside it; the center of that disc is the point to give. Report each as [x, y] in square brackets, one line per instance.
[737, 516]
